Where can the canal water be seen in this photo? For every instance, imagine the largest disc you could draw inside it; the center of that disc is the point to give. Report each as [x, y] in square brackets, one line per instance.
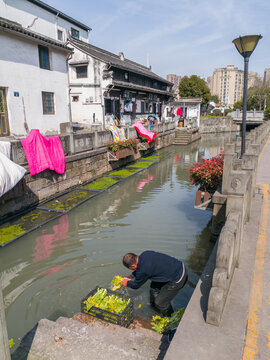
[47, 272]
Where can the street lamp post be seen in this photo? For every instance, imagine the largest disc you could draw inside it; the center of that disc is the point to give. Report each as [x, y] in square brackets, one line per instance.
[245, 45]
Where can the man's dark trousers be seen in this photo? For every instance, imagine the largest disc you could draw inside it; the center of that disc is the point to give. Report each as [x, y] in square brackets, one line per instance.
[162, 293]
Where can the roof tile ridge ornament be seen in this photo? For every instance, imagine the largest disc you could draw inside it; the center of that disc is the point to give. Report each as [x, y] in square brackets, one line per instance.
[121, 56]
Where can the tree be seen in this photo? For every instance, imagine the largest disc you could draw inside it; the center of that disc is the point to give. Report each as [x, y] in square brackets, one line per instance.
[194, 86]
[257, 98]
[267, 113]
[215, 98]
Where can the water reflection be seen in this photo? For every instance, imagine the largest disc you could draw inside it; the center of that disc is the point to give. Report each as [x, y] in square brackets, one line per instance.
[48, 271]
[45, 244]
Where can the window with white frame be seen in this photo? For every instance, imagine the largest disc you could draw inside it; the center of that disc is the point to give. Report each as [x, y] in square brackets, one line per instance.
[48, 103]
[81, 71]
[60, 35]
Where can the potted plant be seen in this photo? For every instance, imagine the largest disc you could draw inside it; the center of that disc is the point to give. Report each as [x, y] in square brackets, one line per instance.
[123, 148]
[208, 175]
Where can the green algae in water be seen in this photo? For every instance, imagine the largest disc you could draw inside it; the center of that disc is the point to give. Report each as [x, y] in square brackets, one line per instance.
[102, 183]
[123, 173]
[152, 157]
[10, 232]
[142, 164]
[68, 201]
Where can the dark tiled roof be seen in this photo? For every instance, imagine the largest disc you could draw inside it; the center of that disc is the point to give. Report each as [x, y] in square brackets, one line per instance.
[59, 14]
[140, 87]
[115, 60]
[16, 28]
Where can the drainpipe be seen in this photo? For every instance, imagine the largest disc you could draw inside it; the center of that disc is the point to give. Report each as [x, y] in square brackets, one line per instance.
[102, 106]
[4, 345]
[71, 137]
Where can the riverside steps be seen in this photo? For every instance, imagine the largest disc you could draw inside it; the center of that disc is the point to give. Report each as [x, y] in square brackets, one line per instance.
[228, 316]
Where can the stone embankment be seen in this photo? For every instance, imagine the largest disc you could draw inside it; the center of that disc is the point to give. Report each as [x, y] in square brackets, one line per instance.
[83, 339]
[218, 124]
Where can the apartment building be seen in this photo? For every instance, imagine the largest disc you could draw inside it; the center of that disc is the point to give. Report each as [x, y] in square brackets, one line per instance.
[254, 79]
[227, 83]
[266, 78]
[175, 79]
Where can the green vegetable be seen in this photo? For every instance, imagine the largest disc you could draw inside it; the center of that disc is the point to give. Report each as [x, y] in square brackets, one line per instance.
[163, 325]
[110, 303]
[11, 343]
[116, 282]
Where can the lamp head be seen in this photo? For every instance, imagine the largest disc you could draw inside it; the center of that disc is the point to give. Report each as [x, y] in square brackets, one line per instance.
[246, 44]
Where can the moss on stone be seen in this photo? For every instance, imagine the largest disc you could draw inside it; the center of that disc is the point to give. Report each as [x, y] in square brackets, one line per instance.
[9, 233]
[123, 172]
[151, 157]
[101, 183]
[69, 201]
[142, 164]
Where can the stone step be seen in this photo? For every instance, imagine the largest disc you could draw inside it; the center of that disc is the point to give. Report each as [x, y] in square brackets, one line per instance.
[68, 339]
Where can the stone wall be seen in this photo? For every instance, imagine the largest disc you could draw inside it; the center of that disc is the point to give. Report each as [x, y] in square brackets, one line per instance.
[238, 189]
[213, 124]
[87, 162]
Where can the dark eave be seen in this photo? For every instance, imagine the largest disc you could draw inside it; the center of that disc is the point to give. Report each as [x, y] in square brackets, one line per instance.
[127, 85]
[54, 11]
[15, 28]
[114, 60]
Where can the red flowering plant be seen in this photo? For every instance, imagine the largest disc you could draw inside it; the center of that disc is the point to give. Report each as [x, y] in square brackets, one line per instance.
[208, 173]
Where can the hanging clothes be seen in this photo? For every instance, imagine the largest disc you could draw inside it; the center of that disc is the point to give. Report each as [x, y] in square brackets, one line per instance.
[5, 148]
[179, 112]
[128, 107]
[10, 174]
[144, 132]
[43, 153]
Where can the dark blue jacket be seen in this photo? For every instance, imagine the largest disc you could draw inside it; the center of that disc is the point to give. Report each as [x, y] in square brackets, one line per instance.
[156, 267]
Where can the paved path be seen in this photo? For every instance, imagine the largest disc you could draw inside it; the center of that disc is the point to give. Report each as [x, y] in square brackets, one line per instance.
[244, 331]
[257, 341]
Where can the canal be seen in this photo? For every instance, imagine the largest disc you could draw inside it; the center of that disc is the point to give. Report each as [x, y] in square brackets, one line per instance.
[47, 272]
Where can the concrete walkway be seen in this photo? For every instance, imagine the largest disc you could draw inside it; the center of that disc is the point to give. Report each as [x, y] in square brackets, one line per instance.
[244, 332]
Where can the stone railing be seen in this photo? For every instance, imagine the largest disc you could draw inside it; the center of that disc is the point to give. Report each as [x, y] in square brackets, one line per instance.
[238, 189]
[82, 141]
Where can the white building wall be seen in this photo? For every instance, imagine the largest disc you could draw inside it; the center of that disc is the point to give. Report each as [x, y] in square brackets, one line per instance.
[90, 90]
[20, 72]
[37, 19]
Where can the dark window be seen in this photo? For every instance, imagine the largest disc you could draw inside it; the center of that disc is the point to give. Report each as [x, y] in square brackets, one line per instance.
[81, 72]
[142, 107]
[108, 106]
[75, 33]
[48, 102]
[75, 98]
[60, 35]
[44, 61]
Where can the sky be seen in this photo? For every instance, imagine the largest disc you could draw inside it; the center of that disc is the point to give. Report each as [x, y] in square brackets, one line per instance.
[182, 37]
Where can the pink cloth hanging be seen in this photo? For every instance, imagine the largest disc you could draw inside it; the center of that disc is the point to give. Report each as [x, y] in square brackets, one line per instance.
[43, 153]
[144, 132]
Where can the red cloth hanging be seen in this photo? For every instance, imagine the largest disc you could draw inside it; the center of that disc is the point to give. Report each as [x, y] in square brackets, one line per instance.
[179, 112]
